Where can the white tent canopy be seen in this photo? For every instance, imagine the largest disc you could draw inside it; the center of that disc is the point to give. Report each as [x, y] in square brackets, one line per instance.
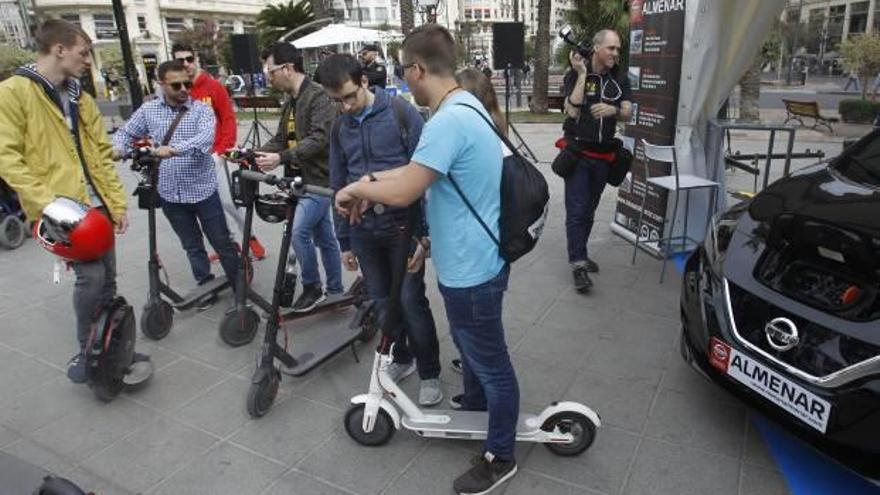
[340, 34]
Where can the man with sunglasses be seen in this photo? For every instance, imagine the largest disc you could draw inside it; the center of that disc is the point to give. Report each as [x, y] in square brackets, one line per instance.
[374, 133]
[187, 180]
[596, 95]
[301, 145]
[209, 91]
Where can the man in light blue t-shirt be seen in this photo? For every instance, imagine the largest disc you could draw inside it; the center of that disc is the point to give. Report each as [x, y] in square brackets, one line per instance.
[457, 145]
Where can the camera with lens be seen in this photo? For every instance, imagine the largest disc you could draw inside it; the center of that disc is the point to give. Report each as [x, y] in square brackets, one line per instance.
[584, 48]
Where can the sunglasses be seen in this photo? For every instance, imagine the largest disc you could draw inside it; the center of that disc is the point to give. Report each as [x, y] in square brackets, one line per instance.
[190, 59]
[177, 86]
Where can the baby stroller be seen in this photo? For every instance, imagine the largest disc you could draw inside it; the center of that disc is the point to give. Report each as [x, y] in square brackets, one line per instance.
[12, 222]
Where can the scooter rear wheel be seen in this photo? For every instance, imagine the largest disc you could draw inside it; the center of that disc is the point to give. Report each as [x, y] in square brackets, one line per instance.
[382, 432]
[237, 328]
[12, 232]
[156, 320]
[579, 426]
[262, 394]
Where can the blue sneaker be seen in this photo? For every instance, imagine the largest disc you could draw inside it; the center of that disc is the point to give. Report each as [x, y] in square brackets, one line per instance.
[76, 368]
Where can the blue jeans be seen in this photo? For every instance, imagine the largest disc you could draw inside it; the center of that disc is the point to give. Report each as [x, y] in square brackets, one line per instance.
[313, 225]
[583, 190]
[489, 380]
[379, 253]
[189, 220]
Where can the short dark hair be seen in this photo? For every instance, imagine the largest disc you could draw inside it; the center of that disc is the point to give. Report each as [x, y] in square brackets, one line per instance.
[55, 31]
[433, 46]
[336, 69]
[182, 46]
[285, 53]
[169, 66]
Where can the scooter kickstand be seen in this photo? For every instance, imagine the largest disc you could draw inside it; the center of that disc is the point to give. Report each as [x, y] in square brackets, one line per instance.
[354, 353]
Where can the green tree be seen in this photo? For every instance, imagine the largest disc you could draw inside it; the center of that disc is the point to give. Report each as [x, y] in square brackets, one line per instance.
[591, 16]
[275, 20]
[207, 40]
[11, 57]
[861, 53]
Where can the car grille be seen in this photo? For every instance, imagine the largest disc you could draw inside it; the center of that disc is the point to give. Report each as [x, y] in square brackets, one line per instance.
[821, 351]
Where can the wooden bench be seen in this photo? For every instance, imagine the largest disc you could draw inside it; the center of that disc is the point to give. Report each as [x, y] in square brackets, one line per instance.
[554, 102]
[810, 109]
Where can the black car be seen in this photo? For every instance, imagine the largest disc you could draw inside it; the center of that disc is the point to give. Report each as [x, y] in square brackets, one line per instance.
[781, 305]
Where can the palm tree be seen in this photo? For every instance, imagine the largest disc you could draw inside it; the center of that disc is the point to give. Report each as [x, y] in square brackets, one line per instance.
[542, 58]
[590, 16]
[407, 16]
[275, 20]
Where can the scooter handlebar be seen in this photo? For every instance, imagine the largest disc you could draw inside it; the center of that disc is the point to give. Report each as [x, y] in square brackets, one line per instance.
[295, 183]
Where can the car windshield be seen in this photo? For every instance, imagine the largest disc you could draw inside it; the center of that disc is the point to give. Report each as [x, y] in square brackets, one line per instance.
[863, 165]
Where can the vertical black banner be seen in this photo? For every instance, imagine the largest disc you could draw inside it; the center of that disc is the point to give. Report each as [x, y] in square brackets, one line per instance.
[655, 44]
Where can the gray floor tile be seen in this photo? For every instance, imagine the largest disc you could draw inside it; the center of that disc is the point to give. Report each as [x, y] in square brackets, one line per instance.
[662, 468]
[680, 377]
[32, 331]
[94, 483]
[22, 373]
[220, 410]
[90, 429]
[7, 436]
[173, 386]
[758, 481]
[602, 467]
[216, 353]
[562, 347]
[367, 470]
[698, 422]
[621, 402]
[755, 450]
[291, 429]
[189, 332]
[139, 461]
[299, 483]
[433, 470]
[526, 483]
[541, 382]
[225, 470]
[41, 405]
[627, 360]
[44, 457]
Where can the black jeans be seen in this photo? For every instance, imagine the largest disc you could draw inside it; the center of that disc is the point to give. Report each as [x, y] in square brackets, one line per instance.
[189, 220]
[378, 253]
[583, 190]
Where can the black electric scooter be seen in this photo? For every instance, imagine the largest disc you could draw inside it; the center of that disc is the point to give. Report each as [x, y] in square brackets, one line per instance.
[363, 325]
[239, 325]
[158, 313]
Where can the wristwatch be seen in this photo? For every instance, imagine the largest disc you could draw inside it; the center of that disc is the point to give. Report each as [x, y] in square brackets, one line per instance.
[372, 177]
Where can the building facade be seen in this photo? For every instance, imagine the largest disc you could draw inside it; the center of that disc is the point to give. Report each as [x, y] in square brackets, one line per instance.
[13, 23]
[825, 23]
[152, 25]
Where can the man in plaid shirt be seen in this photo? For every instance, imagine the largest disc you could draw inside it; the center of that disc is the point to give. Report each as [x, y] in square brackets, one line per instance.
[187, 180]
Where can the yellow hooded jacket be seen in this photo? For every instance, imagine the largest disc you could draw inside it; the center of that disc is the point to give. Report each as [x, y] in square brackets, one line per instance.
[38, 156]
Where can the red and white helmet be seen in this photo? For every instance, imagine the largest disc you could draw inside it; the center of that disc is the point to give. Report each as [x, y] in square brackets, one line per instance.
[74, 231]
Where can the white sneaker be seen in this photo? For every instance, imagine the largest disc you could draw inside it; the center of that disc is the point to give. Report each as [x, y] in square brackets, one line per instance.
[398, 372]
[430, 393]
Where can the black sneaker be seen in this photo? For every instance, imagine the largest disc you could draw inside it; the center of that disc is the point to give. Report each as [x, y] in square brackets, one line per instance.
[582, 282]
[76, 368]
[592, 266]
[455, 404]
[456, 365]
[486, 474]
[312, 296]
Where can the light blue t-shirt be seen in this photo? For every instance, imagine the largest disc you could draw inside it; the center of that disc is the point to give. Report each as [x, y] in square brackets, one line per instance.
[457, 142]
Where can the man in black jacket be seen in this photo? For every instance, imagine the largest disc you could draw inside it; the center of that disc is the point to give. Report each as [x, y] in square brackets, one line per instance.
[596, 96]
[301, 145]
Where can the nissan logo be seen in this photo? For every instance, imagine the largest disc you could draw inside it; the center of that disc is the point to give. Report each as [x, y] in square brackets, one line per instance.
[782, 334]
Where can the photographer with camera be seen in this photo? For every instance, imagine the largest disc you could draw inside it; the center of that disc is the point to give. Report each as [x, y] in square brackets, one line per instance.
[597, 93]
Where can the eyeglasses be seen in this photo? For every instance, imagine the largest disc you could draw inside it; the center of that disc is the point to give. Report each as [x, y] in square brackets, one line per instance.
[271, 70]
[350, 98]
[190, 59]
[408, 66]
[176, 86]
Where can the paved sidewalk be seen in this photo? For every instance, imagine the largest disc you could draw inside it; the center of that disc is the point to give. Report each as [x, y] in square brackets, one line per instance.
[665, 430]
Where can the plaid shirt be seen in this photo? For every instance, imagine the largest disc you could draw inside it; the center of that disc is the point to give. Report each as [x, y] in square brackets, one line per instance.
[188, 177]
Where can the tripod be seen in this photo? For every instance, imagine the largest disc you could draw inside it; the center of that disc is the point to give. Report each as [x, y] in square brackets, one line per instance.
[522, 142]
[252, 138]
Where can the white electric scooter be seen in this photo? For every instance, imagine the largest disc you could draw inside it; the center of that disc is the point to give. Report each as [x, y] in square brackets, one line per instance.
[565, 428]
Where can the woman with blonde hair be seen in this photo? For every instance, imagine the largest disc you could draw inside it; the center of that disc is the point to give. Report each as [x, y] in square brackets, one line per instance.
[476, 83]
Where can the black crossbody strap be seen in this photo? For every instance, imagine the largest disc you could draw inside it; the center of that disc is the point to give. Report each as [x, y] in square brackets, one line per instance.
[170, 132]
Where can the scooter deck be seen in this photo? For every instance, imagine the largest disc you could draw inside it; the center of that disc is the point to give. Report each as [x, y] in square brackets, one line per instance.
[18, 476]
[190, 298]
[321, 341]
[333, 301]
[465, 425]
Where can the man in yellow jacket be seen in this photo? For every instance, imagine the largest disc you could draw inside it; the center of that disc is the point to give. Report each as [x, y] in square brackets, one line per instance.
[40, 160]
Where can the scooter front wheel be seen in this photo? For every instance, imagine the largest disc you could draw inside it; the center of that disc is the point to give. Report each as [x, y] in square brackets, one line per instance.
[239, 328]
[262, 394]
[382, 432]
[579, 426]
[12, 232]
[156, 319]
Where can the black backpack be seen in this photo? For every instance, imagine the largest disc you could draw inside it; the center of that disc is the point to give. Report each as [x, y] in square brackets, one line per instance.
[525, 198]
